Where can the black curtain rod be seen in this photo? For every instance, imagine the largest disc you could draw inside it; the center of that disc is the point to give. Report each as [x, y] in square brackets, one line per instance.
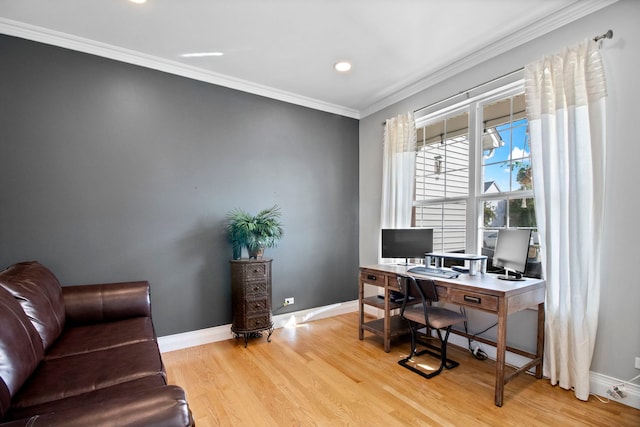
[471, 89]
[607, 35]
[466, 91]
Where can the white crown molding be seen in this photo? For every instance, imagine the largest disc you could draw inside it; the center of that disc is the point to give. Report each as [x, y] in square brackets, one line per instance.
[576, 10]
[56, 38]
[571, 13]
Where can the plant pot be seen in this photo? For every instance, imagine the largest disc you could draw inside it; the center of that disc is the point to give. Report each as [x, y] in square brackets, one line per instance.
[237, 252]
[256, 253]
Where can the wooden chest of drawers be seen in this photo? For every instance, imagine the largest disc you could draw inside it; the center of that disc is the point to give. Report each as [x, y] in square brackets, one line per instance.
[251, 297]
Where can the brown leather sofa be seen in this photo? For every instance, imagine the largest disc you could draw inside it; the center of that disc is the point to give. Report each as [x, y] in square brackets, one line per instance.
[81, 355]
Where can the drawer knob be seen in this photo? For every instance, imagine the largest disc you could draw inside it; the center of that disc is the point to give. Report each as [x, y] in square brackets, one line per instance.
[474, 300]
[371, 277]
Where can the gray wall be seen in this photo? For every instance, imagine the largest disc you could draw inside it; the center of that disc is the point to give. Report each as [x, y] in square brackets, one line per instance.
[113, 172]
[618, 338]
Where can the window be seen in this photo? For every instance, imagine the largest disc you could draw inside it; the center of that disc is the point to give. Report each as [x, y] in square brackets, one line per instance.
[473, 171]
[442, 180]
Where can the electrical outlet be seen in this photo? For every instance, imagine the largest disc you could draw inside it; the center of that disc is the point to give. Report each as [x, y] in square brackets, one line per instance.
[637, 363]
[288, 301]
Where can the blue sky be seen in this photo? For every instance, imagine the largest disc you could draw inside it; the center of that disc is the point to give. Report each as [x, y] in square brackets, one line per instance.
[516, 146]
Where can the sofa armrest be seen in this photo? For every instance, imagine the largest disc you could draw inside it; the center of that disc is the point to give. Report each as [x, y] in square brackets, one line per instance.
[161, 406]
[87, 304]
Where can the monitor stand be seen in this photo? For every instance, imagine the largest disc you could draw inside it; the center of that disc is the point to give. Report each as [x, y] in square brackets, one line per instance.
[506, 276]
[510, 278]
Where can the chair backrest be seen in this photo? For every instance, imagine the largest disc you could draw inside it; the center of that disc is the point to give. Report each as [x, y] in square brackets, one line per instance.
[424, 289]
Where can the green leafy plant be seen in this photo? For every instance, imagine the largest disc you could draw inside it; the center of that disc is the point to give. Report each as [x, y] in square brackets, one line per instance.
[254, 232]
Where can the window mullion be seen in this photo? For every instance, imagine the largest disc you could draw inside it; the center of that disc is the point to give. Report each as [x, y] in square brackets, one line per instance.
[475, 177]
[455, 158]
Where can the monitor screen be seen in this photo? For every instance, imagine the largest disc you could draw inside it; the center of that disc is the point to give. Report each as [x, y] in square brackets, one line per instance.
[406, 242]
[512, 250]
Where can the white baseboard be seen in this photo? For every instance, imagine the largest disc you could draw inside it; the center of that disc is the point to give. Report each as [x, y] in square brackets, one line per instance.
[194, 338]
[223, 332]
[599, 384]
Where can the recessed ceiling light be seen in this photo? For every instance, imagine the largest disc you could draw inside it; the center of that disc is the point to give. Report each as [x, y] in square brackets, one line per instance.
[201, 54]
[138, 1]
[342, 66]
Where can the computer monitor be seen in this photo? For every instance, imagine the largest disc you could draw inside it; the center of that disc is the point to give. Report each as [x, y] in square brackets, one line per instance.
[511, 253]
[406, 242]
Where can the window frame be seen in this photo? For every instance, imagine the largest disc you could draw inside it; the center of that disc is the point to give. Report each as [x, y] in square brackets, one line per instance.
[473, 102]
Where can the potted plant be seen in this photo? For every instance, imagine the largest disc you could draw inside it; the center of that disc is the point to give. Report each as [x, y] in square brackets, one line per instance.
[254, 232]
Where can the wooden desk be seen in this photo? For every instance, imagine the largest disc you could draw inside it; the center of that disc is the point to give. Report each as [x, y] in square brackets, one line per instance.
[483, 292]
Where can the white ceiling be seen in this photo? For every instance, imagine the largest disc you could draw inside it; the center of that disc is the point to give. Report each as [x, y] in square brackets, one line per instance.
[285, 49]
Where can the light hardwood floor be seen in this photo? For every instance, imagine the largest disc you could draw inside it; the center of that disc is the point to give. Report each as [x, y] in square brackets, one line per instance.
[320, 374]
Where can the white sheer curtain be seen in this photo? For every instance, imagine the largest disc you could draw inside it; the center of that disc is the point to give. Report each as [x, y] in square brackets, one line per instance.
[565, 97]
[398, 171]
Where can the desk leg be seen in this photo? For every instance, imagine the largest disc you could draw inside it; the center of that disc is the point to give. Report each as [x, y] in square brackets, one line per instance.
[361, 303]
[501, 347]
[387, 317]
[540, 343]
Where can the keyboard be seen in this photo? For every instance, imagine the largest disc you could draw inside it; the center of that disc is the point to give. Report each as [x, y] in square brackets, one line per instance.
[435, 272]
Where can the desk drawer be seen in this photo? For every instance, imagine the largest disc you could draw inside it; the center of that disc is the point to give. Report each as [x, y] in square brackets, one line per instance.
[474, 299]
[372, 278]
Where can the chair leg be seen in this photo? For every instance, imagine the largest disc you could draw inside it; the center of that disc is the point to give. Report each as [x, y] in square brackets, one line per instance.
[446, 363]
[440, 353]
[414, 345]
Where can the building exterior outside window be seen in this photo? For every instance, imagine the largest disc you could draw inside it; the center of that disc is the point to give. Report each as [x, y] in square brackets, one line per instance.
[473, 172]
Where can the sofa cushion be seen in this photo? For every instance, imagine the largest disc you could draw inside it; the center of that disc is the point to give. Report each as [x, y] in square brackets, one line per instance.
[164, 406]
[20, 348]
[40, 295]
[82, 373]
[106, 302]
[87, 399]
[101, 336]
